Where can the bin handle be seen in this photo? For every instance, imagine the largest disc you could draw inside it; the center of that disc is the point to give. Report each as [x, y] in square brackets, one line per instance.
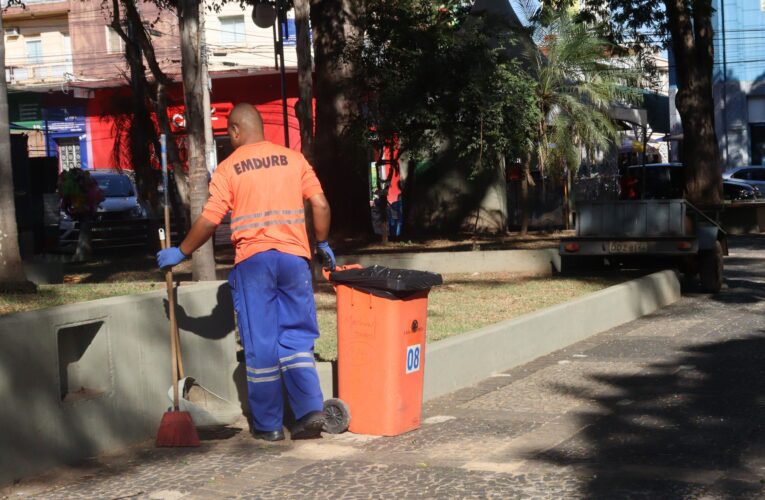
[325, 272]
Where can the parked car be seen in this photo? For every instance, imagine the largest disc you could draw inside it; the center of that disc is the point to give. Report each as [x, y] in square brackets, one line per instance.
[734, 190]
[121, 220]
[666, 181]
[752, 174]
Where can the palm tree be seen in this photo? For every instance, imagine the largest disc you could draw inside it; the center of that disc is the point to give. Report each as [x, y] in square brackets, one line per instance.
[576, 86]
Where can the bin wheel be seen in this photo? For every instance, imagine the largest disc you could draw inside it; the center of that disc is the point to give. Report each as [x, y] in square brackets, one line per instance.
[337, 416]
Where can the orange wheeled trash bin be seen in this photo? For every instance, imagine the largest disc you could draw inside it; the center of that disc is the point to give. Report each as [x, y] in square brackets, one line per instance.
[381, 325]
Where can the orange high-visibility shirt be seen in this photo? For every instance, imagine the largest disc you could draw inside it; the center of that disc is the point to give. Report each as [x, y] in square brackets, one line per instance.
[264, 186]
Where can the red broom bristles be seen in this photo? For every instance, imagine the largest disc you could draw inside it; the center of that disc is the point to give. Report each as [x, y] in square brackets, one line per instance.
[177, 430]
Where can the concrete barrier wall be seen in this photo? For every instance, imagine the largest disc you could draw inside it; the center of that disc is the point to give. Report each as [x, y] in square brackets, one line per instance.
[532, 262]
[81, 379]
[466, 359]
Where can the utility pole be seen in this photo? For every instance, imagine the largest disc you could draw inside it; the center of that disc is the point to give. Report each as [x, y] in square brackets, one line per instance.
[281, 21]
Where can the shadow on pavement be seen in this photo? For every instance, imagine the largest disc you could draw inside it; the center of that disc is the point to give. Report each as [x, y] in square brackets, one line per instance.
[665, 432]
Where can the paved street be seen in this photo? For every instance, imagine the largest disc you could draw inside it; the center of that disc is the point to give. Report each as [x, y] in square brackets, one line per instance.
[669, 406]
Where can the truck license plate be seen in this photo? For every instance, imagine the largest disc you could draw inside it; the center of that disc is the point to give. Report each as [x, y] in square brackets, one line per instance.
[628, 246]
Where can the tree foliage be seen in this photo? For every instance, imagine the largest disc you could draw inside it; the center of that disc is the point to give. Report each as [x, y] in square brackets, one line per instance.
[576, 85]
[433, 74]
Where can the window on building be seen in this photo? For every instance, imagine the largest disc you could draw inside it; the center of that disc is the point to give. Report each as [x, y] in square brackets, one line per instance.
[232, 30]
[29, 111]
[114, 43]
[758, 143]
[34, 52]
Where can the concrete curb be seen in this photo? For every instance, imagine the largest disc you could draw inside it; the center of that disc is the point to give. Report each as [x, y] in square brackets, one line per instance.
[533, 262]
[466, 359]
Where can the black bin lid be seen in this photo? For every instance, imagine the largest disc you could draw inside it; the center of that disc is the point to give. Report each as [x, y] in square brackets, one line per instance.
[386, 282]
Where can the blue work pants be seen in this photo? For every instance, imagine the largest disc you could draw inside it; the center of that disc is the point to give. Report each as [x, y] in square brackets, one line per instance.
[276, 312]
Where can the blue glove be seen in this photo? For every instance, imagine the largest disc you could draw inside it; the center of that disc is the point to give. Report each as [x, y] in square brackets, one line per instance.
[326, 255]
[170, 257]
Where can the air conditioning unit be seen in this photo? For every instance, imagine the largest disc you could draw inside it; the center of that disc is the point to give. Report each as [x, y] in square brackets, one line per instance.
[15, 31]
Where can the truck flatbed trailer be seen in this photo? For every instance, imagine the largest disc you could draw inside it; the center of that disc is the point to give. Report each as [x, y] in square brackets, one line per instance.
[671, 230]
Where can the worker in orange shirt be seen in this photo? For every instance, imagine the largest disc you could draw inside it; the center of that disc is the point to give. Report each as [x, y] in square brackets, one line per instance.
[264, 186]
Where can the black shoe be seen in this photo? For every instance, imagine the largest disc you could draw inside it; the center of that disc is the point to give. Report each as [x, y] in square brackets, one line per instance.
[268, 435]
[309, 426]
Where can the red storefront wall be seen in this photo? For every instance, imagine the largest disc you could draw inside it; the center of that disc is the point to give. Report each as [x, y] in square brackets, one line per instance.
[261, 90]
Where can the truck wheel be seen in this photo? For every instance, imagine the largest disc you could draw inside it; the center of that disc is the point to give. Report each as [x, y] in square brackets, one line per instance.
[711, 268]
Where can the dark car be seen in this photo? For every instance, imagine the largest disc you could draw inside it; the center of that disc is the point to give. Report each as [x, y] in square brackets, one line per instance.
[663, 181]
[734, 190]
[666, 181]
[753, 175]
[121, 220]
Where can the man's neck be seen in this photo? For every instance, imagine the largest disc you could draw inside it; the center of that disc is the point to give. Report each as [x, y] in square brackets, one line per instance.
[255, 140]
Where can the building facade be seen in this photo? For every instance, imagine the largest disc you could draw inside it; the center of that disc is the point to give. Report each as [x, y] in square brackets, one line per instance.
[68, 78]
[739, 82]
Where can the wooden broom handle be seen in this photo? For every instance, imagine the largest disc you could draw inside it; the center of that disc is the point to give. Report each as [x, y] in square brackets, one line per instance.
[181, 371]
[171, 313]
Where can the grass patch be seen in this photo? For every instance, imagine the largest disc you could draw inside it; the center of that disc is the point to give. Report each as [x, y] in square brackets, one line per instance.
[57, 295]
[468, 302]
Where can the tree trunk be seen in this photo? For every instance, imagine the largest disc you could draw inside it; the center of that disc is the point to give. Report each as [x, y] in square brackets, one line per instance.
[491, 212]
[203, 261]
[694, 60]
[341, 163]
[566, 199]
[142, 38]
[141, 127]
[304, 106]
[525, 208]
[12, 276]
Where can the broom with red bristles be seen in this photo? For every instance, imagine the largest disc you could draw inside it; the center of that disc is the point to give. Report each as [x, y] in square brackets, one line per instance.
[176, 428]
